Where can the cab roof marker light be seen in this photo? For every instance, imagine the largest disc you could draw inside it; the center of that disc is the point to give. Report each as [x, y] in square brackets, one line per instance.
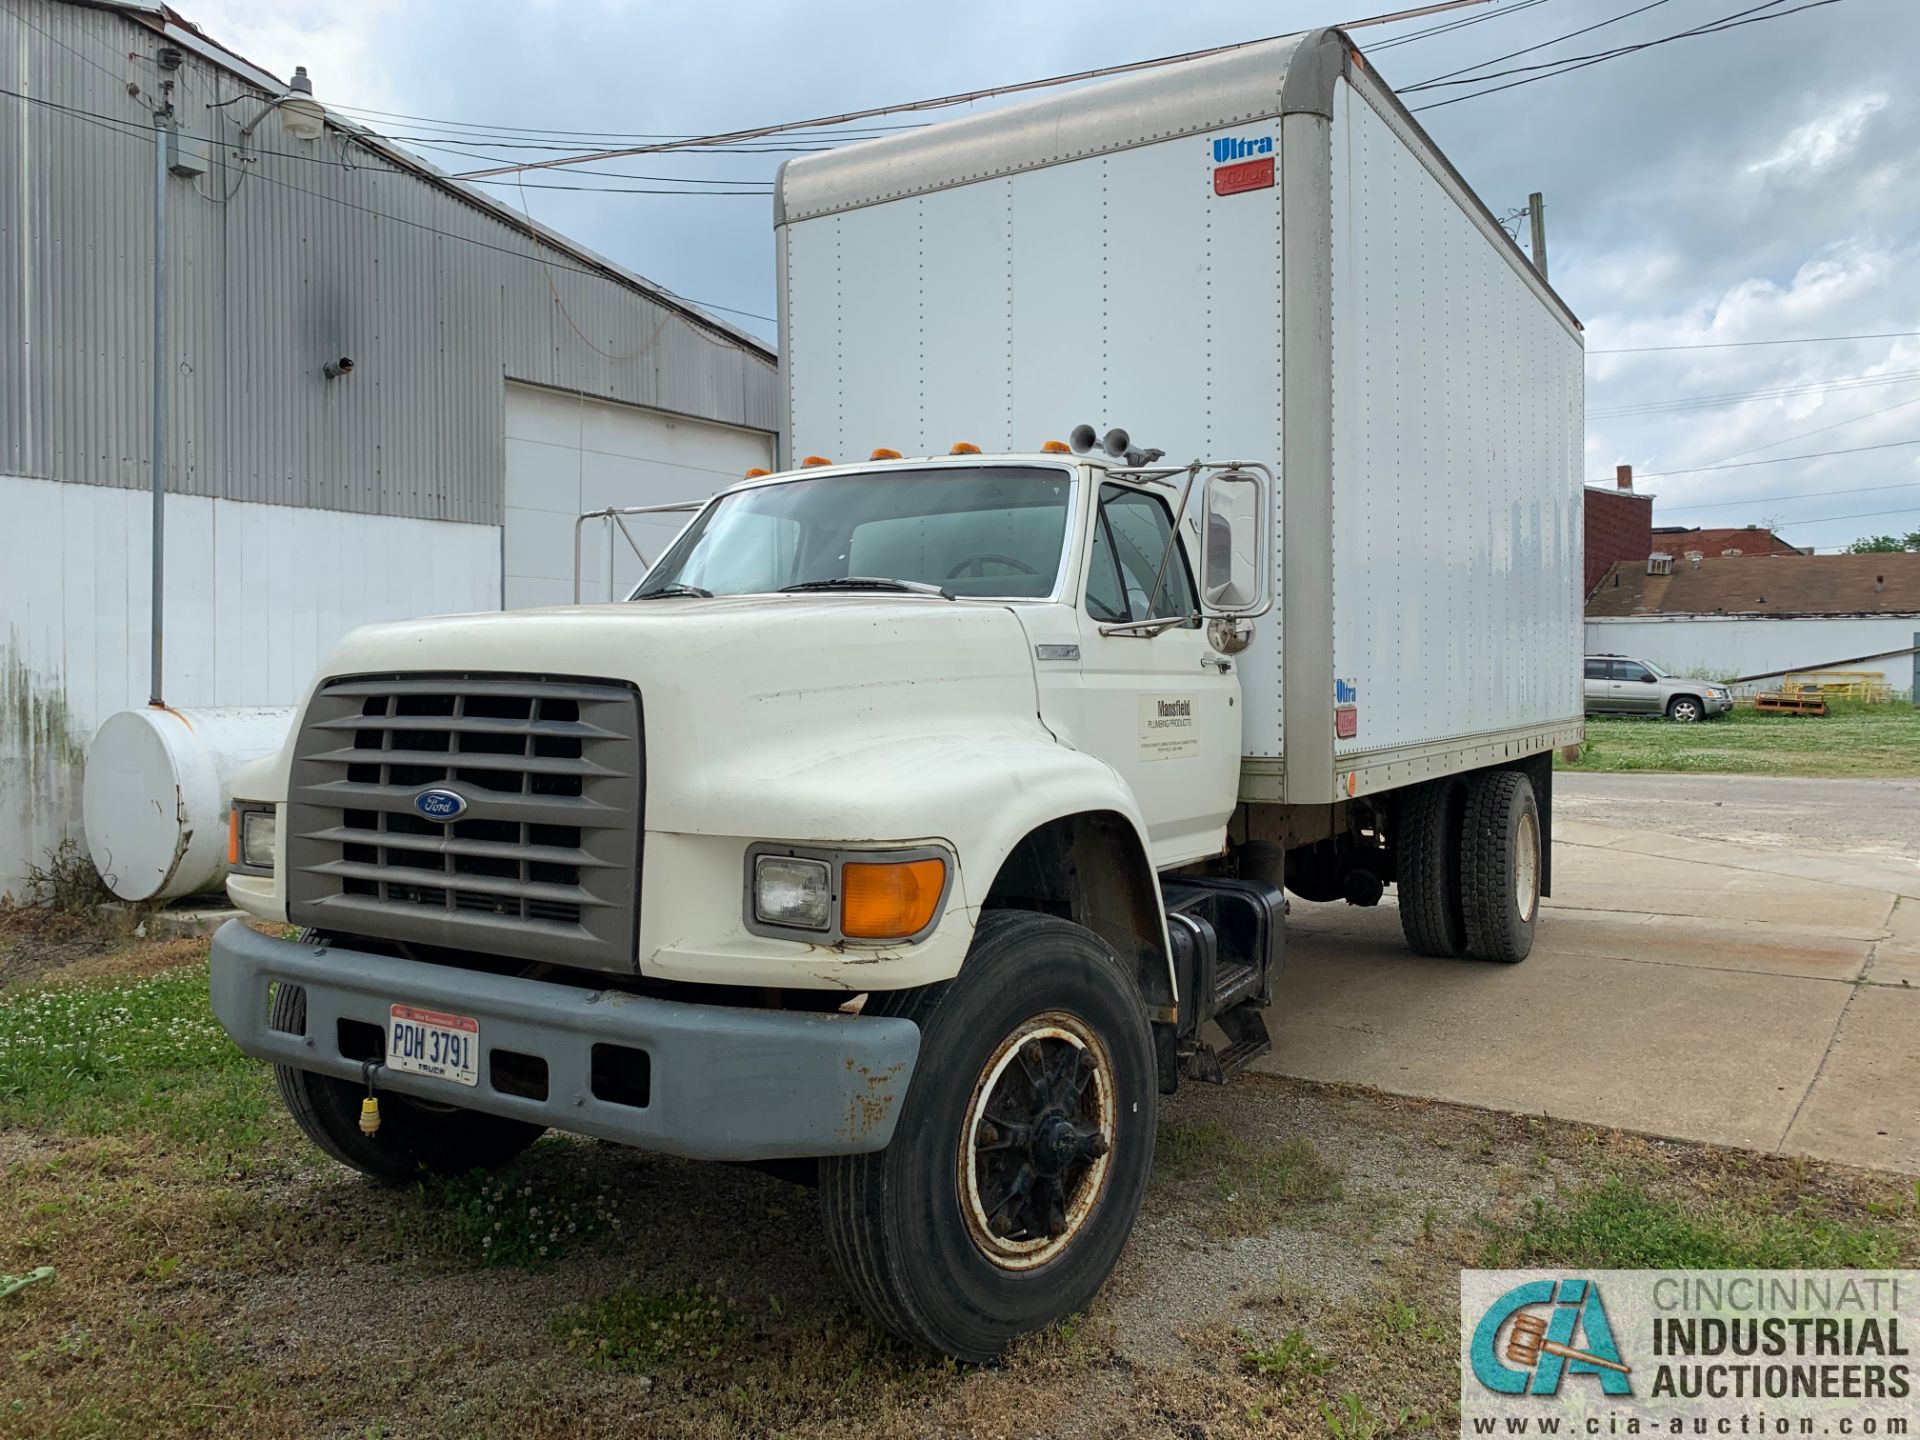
[757, 471]
[964, 447]
[814, 462]
[1056, 447]
[881, 452]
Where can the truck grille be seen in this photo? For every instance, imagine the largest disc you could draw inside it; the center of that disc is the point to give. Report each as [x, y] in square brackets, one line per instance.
[542, 864]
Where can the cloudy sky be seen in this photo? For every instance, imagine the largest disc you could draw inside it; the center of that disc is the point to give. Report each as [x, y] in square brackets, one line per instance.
[1758, 184]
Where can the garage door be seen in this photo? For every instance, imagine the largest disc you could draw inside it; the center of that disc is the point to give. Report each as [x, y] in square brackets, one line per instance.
[567, 454]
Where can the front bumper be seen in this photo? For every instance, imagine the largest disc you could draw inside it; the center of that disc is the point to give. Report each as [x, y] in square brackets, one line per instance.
[1718, 704]
[723, 1083]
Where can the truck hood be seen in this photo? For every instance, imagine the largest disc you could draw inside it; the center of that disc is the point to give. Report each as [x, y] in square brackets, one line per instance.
[757, 709]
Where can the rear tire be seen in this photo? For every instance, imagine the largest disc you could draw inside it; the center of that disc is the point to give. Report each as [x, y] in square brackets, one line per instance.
[1040, 1043]
[1500, 866]
[1427, 868]
[413, 1135]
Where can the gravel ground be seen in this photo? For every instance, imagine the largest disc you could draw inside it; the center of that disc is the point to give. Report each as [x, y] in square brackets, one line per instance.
[1873, 817]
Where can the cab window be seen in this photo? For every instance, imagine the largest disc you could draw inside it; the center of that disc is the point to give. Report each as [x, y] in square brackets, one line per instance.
[1131, 532]
[1596, 669]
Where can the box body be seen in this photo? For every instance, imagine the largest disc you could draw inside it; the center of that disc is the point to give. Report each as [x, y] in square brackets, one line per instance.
[1258, 256]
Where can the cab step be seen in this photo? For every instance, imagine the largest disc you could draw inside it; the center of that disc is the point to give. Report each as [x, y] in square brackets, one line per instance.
[1247, 1041]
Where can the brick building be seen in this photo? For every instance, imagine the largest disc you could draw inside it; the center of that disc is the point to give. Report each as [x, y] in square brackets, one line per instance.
[1681, 540]
[1619, 526]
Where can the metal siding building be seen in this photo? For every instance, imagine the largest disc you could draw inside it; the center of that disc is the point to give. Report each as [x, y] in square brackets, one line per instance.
[299, 506]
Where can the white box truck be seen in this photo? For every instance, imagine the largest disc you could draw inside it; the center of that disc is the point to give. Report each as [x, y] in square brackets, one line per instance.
[918, 822]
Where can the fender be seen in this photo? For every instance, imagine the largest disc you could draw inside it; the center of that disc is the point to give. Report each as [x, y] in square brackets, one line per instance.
[976, 796]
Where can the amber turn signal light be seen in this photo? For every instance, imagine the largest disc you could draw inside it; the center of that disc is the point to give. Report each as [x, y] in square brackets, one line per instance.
[233, 836]
[889, 901]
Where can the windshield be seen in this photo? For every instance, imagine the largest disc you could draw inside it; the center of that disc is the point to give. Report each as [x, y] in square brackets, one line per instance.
[973, 530]
[1659, 673]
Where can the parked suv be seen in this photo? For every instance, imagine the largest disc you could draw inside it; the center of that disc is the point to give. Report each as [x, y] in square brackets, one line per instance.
[1617, 685]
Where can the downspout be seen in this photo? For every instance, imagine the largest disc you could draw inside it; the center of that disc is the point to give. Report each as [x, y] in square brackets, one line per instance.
[162, 125]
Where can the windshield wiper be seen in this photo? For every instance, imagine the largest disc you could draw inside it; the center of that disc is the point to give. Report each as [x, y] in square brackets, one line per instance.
[676, 589]
[870, 582]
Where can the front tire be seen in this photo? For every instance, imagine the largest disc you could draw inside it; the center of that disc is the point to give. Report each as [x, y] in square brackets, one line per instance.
[1500, 866]
[1022, 1148]
[413, 1135]
[1686, 710]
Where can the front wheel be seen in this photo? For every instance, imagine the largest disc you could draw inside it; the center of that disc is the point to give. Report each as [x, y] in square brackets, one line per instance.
[1022, 1148]
[1685, 710]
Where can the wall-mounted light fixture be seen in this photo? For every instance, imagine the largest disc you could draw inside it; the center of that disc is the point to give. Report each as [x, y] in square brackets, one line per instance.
[301, 116]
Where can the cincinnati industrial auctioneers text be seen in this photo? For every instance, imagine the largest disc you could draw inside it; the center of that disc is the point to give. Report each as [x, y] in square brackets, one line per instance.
[1788, 1337]
[1652, 1352]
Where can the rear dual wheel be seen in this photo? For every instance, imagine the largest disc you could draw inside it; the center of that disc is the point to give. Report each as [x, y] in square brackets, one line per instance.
[1469, 865]
[1022, 1148]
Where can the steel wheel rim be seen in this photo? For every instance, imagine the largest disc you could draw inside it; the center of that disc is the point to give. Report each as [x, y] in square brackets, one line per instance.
[1061, 1132]
[1526, 866]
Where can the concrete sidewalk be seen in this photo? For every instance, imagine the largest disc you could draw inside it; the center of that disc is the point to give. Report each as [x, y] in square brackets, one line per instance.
[1697, 989]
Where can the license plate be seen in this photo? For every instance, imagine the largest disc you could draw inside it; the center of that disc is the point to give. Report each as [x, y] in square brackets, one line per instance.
[426, 1042]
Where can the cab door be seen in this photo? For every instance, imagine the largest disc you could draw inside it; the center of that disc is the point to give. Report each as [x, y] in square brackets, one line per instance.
[1162, 708]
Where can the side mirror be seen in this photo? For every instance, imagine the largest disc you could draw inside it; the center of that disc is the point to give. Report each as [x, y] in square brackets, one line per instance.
[1233, 544]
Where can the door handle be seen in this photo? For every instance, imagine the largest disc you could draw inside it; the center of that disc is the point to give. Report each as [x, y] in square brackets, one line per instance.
[1216, 662]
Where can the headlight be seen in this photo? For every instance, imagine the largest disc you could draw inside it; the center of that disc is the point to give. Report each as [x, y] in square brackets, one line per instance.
[837, 895]
[251, 831]
[792, 890]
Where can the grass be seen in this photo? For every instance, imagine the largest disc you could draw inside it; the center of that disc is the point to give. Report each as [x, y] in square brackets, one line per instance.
[1252, 1186]
[528, 1215]
[1617, 1225]
[142, 1054]
[1290, 1360]
[644, 1330]
[213, 1275]
[1870, 741]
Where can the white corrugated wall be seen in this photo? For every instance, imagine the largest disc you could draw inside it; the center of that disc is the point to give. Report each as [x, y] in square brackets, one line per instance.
[1731, 645]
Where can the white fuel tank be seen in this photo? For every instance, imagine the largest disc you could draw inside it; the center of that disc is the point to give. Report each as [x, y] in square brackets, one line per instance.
[158, 787]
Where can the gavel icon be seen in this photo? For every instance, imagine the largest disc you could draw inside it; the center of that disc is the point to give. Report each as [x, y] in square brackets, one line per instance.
[1527, 1342]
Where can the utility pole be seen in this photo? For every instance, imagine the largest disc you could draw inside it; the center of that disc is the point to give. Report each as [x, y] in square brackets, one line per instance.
[162, 130]
[1537, 212]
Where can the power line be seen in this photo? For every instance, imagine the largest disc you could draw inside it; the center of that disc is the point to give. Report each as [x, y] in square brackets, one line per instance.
[1572, 63]
[1449, 26]
[1778, 459]
[1515, 54]
[1769, 499]
[1864, 515]
[764, 189]
[1740, 397]
[1821, 430]
[1739, 344]
[528, 130]
[942, 102]
[136, 130]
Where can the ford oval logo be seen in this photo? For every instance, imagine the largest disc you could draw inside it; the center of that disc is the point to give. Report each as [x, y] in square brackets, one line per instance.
[440, 804]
